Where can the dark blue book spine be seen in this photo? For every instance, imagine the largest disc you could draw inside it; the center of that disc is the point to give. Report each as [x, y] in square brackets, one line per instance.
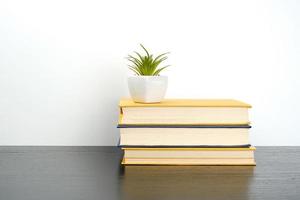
[182, 126]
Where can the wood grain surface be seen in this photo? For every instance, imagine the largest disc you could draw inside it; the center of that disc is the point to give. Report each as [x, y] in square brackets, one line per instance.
[95, 173]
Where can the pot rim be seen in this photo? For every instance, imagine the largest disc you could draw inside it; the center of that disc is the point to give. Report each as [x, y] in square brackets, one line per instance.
[133, 76]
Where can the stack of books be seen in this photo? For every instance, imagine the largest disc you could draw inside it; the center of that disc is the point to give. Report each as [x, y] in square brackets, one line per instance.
[185, 132]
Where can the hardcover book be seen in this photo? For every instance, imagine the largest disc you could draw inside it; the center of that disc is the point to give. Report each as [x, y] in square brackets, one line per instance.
[189, 156]
[185, 111]
[182, 136]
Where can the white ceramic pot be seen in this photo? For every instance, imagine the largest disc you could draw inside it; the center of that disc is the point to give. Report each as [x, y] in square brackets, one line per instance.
[147, 89]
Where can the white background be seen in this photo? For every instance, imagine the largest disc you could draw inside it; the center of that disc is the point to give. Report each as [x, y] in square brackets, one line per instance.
[62, 66]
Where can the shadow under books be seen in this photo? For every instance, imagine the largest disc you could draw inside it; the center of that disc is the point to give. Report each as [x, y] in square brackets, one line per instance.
[185, 182]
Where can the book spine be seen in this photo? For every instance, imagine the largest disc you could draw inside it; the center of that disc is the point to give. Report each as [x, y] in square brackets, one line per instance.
[181, 126]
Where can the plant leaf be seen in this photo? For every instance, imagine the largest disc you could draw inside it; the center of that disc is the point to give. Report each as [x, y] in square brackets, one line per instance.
[156, 73]
[145, 50]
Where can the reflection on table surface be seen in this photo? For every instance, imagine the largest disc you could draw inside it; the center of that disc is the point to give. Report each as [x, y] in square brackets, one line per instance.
[185, 182]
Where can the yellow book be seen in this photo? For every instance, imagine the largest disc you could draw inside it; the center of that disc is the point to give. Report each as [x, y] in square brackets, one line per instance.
[189, 156]
[188, 162]
[185, 112]
[196, 136]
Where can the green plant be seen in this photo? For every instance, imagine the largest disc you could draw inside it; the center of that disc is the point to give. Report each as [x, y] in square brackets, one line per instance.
[146, 65]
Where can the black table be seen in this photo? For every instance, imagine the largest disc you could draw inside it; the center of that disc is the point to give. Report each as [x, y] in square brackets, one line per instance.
[95, 173]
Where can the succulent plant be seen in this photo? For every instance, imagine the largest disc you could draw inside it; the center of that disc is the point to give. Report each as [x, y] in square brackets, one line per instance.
[146, 65]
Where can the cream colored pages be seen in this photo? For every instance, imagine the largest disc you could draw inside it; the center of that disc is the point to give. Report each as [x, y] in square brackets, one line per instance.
[184, 115]
[188, 161]
[184, 136]
[187, 154]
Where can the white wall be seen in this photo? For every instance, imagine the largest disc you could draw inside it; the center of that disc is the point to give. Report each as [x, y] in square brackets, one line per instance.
[62, 66]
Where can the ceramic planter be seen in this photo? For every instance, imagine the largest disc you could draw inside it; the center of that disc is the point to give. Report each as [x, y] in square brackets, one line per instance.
[147, 89]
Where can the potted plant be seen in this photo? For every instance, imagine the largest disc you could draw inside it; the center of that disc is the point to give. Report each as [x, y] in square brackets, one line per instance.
[147, 86]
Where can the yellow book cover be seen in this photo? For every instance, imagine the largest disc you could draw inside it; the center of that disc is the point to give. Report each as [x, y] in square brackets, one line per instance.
[126, 102]
[191, 149]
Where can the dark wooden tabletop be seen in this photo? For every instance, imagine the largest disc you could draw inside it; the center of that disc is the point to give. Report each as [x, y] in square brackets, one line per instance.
[94, 173]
